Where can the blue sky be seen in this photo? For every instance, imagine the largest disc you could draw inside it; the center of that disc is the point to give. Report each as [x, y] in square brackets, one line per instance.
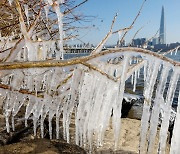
[104, 10]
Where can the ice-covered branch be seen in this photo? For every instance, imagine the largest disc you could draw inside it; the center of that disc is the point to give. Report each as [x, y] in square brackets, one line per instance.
[22, 91]
[172, 50]
[18, 46]
[56, 63]
[98, 70]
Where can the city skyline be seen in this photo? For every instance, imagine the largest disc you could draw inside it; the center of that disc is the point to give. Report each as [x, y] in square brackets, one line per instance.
[127, 10]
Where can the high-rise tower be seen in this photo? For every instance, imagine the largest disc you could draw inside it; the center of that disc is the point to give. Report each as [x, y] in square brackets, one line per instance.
[162, 33]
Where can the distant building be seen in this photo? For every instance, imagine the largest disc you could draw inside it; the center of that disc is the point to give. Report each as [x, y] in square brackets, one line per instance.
[160, 46]
[162, 32]
[155, 41]
[174, 45]
[140, 42]
[121, 43]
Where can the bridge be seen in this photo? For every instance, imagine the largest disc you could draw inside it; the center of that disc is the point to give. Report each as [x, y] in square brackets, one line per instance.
[78, 50]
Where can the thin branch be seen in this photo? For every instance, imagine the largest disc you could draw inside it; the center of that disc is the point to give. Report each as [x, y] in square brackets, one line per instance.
[136, 33]
[98, 70]
[100, 45]
[70, 10]
[132, 24]
[134, 67]
[151, 37]
[64, 81]
[22, 91]
[122, 30]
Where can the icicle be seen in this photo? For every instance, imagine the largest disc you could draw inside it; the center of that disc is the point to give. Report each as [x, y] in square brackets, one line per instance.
[32, 53]
[8, 106]
[118, 104]
[175, 141]
[119, 35]
[159, 101]
[37, 110]
[148, 89]
[58, 113]
[60, 24]
[29, 108]
[145, 70]
[44, 111]
[50, 128]
[167, 111]
[18, 102]
[176, 51]
[93, 108]
[44, 49]
[106, 109]
[132, 78]
[130, 62]
[144, 128]
[138, 73]
[52, 111]
[12, 121]
[69, 106]
[83, 100]
[135, 81]
[26, 13]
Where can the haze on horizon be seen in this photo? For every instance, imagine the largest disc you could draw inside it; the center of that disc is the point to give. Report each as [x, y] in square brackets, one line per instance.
[104, 11]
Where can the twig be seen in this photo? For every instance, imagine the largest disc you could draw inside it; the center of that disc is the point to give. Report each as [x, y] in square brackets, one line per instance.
[122, 30]
[64, 81]
[132, 24]
[70, 10]
[151, 37]
[136, 34]
[98, 70]
[100, 45]
[22, 91]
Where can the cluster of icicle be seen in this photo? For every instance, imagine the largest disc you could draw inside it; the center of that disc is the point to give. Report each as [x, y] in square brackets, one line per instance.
[45, 50]
[92, 97]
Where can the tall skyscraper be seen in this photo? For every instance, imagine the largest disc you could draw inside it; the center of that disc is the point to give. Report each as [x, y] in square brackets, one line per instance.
[162, 32]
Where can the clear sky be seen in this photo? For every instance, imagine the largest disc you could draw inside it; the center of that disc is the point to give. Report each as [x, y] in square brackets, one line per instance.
[104, 10]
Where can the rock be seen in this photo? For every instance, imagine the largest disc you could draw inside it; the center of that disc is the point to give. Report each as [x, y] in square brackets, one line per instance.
[43, 146]
[128, 101]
